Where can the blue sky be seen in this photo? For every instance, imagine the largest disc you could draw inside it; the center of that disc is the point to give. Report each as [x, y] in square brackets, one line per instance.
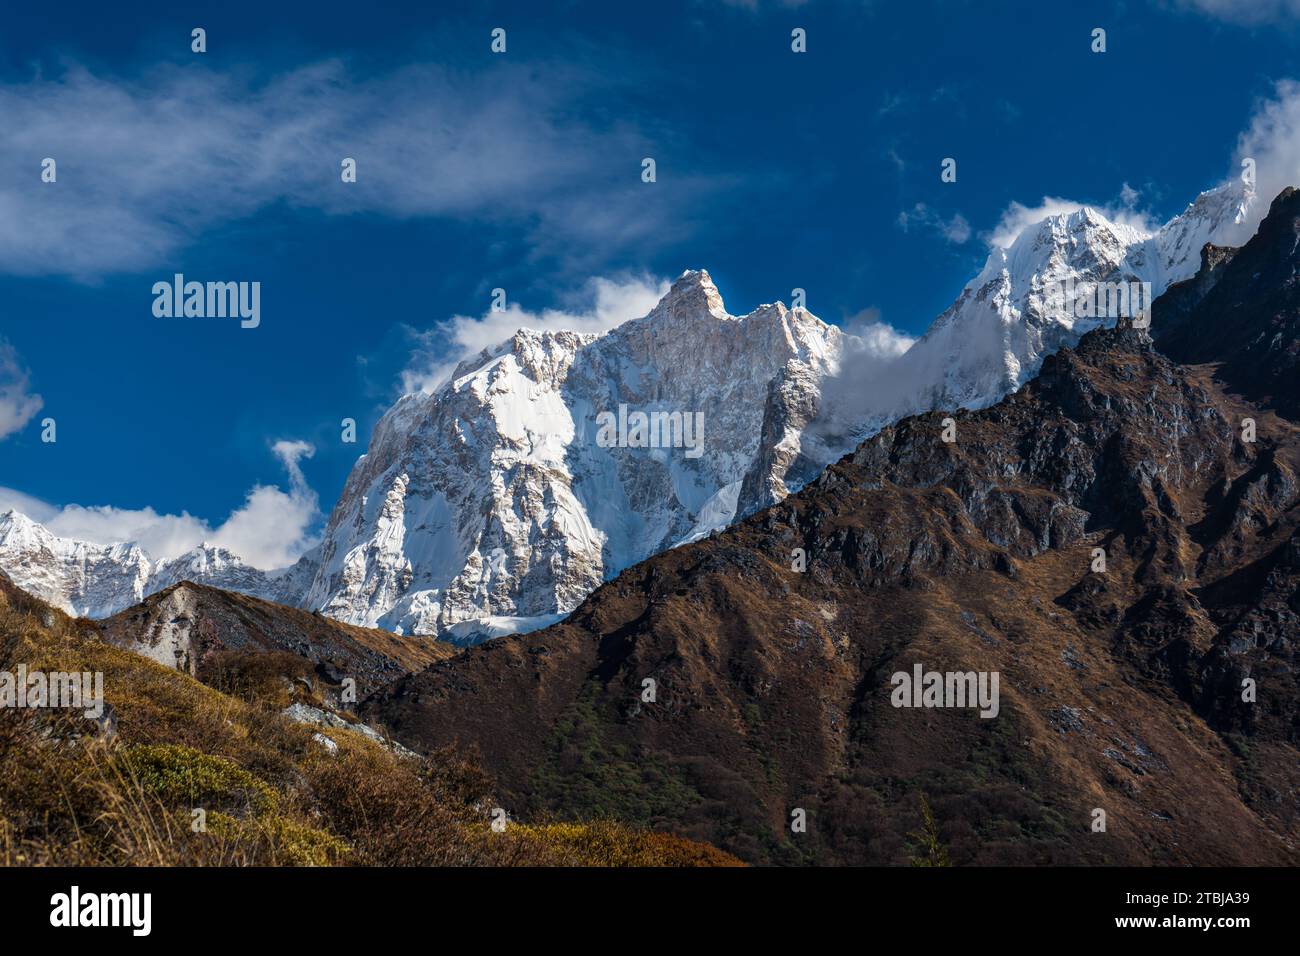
[521, 171]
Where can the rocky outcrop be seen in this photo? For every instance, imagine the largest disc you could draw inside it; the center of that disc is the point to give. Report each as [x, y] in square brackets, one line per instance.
[189, 627]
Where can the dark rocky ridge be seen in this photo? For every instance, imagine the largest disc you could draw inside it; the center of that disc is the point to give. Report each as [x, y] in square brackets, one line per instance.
[1120, 691]
[1247, 317]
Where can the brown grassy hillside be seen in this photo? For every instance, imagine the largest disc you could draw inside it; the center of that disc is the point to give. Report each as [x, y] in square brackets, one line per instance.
[123, 790]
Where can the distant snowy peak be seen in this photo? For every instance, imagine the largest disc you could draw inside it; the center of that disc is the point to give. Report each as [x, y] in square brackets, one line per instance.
[77, 577]
[993, 338]
[1086, 240]
[1085, 244]
[208, 564]
[544, 354]
[94, 580]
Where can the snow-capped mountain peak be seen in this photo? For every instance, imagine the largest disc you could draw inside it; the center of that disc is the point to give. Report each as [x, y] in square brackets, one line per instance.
[691, 297]
[95, 580]
[1010, 316]
[499, 498]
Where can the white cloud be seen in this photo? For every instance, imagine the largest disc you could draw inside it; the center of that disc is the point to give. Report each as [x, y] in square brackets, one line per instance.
[608, 304]
[18, 404]
[271, 530]
[1017, 217]
[870, 378]
[957, 229]
[274, 527]
[156, 160]
[161, 536]
[1272, 140]
[879, 339]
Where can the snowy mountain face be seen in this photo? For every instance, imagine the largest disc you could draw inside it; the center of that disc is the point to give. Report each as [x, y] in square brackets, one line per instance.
[547, 465]
[1056, 281]
[93, 580]
[1011, 315]
[503, 499]
[74, 576]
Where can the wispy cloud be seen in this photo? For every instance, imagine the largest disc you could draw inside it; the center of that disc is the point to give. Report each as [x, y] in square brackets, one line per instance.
[955, 228]
[870, 377]
[602, 304]
[12, 499]
[270, 530]
[154, 161]
[878, 338]
[1017, 217]
[18, 403]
